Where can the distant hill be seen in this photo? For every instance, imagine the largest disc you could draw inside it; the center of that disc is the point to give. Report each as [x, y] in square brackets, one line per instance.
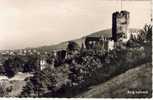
[63, 45]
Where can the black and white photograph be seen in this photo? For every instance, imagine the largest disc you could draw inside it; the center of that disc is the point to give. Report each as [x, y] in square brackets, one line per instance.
[76, 49]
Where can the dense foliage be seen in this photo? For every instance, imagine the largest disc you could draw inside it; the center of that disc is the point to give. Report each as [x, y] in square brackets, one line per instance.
[80, 69]
[41, 82]
[17, 63]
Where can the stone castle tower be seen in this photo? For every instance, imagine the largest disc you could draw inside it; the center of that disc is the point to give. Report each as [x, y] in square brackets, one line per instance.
[120, 23]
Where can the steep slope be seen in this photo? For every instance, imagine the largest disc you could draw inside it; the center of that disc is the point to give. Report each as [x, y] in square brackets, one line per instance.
[133, 83]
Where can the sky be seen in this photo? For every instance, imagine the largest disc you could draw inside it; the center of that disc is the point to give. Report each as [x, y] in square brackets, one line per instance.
[33, 23]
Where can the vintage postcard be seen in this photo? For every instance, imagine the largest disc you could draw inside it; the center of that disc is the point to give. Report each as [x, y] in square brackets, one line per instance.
[76, 48]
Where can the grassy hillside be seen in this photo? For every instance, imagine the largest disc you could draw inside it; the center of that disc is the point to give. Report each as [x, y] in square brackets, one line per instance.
[136, 79]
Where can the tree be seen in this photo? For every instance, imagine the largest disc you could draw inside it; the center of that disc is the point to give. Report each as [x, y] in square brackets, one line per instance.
[3, 92]
[2, 70]
[10, 70]
[42, 82]
[32, 64]
[72, 46]
[147, 31]
[28, 90]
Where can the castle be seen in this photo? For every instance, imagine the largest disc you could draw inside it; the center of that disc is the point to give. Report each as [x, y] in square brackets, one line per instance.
[119, 35]
[120, 23]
